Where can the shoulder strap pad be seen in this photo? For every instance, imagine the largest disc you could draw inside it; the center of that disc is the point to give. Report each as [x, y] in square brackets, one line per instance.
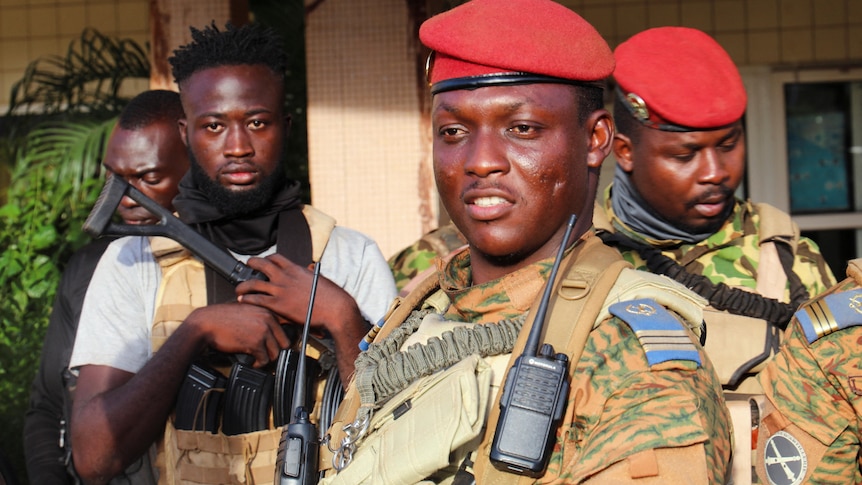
[823, 316]
[320, 225]
[600, 218]
[777, 225]
[634, 284]
[445, 240]
[854, 270]
[662, 335]
[166, 251]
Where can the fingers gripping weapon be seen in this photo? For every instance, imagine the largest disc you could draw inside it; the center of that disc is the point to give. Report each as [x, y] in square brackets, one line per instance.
[248, 390]
[99, 223]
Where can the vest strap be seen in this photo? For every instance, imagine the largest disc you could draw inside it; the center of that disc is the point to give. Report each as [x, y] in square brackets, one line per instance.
[580, 296]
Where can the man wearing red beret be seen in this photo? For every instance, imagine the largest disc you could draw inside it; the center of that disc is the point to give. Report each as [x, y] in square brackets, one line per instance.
[672, 209]
[454, 384]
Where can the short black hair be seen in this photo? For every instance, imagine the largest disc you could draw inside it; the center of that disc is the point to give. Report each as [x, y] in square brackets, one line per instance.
[249, 44]
[151, 107]
[590, 100]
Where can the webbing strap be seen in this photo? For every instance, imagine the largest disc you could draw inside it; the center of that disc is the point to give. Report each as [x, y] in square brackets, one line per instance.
[720, 296]
[349, 407]
[591, 271]
[854, 270]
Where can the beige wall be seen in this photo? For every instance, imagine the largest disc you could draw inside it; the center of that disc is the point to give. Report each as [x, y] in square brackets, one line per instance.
[753, 31]
[369, 152]
[367, 143]
[30, 29]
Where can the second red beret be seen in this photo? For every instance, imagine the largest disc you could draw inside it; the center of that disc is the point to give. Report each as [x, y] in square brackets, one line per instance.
[679, 76]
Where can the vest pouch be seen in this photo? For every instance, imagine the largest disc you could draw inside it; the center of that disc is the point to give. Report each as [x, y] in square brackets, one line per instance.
[739, 347]
[414, 434]
[207, 458]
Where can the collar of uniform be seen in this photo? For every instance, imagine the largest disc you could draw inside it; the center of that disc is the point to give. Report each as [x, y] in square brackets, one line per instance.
[504, 298]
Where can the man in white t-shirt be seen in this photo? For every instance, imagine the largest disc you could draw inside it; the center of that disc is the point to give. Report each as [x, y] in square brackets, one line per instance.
[236, 194]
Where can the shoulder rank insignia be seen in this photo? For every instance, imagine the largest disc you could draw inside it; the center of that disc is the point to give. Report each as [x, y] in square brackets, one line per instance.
[830, 314]
[662, 336]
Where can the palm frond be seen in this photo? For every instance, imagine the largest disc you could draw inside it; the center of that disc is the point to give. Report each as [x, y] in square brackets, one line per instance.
[87, 79]
[69, 151]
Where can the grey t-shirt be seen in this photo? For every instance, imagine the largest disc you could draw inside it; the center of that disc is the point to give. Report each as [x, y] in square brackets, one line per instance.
[117, 317]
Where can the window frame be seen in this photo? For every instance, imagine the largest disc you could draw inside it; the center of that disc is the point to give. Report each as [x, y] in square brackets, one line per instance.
[766, 142]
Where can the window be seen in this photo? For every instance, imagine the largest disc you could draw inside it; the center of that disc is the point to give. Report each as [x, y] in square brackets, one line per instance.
[805, 153]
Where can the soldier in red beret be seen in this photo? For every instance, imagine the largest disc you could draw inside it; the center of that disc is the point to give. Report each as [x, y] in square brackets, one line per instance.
[672, 209]
[453, 384]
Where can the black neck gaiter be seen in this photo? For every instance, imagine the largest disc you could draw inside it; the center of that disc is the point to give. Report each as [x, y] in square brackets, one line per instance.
[250, 233]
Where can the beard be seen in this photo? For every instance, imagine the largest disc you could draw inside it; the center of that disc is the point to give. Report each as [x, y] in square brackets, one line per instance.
[714, 223]
[232, 203]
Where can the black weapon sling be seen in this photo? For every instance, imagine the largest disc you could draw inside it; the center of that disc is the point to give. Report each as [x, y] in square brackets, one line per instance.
[719, 295]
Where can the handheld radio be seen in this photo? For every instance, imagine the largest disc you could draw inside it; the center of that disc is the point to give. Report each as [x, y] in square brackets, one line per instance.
[534, 395]
[298, 449]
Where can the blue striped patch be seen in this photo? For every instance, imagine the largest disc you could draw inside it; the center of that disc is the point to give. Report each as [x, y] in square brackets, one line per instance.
[662, 336]
[830, 314]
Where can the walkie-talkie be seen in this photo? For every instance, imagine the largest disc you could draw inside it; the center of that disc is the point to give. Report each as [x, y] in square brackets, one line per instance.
[534, 395]
[298, 449]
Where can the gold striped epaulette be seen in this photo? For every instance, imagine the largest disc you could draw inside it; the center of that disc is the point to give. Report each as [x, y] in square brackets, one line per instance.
[662, 336]
[831, 313]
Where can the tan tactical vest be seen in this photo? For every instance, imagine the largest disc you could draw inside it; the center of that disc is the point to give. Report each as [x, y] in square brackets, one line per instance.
[199, 457]
[584, 291]
[735, 340]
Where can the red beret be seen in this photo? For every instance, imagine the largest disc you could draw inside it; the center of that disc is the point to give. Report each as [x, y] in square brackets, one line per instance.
[485, 42]
[679, 79]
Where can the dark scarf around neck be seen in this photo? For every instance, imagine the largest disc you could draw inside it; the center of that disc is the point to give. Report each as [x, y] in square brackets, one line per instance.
[250, 233]
[633, 211]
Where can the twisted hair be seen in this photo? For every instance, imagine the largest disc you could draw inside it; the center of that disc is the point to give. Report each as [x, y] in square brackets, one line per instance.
[250, 44]
[151, 107]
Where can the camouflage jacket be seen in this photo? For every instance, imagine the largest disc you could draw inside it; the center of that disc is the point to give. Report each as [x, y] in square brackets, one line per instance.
[620, 404]
[420, 255]
[731, 255]
[815, 386]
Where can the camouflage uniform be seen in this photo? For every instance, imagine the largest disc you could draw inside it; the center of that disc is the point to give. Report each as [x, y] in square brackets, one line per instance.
[620, 406]
[419, 256]
[813, 434]
[730, 256]
[740, 341]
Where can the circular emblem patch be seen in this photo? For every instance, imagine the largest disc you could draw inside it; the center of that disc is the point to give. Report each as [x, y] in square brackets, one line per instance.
[641, 309]
[784, 459]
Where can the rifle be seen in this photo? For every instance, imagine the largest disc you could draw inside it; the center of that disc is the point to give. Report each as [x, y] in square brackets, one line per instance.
[99, 222]
[249, 391]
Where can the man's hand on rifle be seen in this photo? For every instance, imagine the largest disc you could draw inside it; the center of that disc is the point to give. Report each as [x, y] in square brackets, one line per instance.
[286, 294]
[238, 328]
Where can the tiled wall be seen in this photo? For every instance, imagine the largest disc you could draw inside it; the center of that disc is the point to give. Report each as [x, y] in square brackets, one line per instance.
[773, 32]
[30, 29]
